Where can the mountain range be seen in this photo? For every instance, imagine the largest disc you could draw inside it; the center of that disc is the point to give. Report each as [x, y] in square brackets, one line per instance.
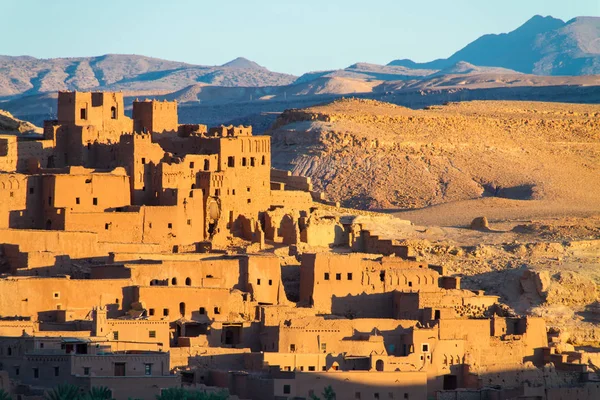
[543, 52]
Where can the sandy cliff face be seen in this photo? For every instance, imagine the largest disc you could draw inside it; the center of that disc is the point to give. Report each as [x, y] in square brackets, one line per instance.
[376, 155]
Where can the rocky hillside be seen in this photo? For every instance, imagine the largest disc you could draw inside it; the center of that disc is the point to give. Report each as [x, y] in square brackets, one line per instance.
[375, 155]
[28, 75]
[12, 125]
[541, 46]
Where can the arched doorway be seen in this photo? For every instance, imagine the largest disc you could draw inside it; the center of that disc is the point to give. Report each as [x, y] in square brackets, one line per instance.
[379, 365]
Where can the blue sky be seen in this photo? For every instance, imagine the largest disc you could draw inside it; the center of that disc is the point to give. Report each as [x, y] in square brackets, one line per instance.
[283, 35]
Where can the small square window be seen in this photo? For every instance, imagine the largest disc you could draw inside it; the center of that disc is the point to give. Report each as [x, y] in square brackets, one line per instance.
[95, 201]
[248, 189]
[217, 310]
[189, 221]
[249, 201]
[30, 190]
[326, 276]
[77, 200]
[86, 370]
[287, 389]
[217, 192]
[56, 295]
[338, 277]
[56, 371]
[151, 311]
[311, 368]
[170, 225]
[191, 164]
[17, 370]
[292, 348]
[202, 310]
[106, 226]
[143, 160]
[152, 334]
[425, 347]
[243, 161]
[409, 284]
[270, 282]
[258, 281]
[147, 369]
[116, 335]
[349, 276]
[36, 373]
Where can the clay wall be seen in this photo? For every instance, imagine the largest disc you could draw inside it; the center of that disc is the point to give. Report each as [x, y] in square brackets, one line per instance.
[323, 275]
[135, 334]
[155, 116]
[353, 384]
[425, 306]
[20, 196]
[258, 275]
[82, 190]
[39, 297]
[140, 156]
[291, 199]
[17, 155]
[175, 302]
[74, 244]
[318, 335]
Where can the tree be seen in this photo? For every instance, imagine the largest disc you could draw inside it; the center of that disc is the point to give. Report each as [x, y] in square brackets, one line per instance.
[328, 394]
[98, 393]
[4, 395]
[63, 392]
[182, 394]
[71, 392]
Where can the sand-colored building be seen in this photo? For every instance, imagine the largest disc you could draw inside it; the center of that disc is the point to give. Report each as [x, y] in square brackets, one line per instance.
[118, 247]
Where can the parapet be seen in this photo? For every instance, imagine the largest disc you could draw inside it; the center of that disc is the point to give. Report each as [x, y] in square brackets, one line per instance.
[188, 130]
[230, 131]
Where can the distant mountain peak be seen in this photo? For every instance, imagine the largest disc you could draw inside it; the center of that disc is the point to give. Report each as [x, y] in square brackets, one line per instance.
[541, 46]
[539, 24]
[242, 63]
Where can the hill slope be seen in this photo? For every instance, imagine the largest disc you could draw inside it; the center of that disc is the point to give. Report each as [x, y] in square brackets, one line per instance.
[543, 46]
[376, 155]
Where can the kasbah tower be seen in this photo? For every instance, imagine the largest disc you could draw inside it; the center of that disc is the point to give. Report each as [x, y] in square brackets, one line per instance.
[142, 255]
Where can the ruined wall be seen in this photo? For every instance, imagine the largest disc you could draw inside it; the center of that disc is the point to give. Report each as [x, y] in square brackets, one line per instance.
[20, 155]
[350, 277]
